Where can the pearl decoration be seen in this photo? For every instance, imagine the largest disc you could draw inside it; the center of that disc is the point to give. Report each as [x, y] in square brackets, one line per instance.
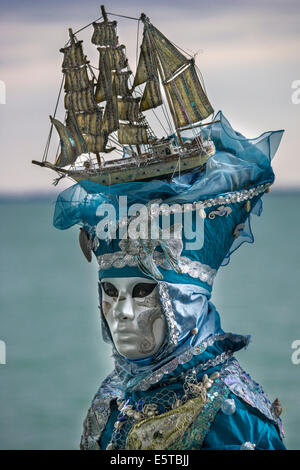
[228, 407]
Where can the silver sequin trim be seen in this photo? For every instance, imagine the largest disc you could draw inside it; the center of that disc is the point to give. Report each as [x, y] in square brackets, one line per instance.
[195, 269]
[230, 198]
[169, 313]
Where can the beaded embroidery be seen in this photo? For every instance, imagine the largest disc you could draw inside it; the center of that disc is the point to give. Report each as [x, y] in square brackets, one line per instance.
[221, 211]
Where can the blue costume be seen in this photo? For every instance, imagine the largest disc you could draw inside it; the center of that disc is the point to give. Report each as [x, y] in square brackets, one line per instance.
[192, 394]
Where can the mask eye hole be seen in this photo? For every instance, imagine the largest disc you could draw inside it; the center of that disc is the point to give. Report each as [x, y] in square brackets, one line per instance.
[110, 289]
[142, 289]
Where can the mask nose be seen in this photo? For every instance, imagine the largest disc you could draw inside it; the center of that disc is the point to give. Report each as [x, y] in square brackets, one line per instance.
[124, 307]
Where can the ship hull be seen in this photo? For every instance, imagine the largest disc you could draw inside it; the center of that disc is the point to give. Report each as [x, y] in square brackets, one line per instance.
[132, 169]
[139, 169]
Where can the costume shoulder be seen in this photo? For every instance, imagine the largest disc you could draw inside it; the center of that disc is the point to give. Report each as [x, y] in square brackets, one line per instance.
[247, 419]
[243, 386]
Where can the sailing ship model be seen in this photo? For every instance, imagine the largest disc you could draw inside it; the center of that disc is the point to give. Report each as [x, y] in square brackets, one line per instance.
[105, 114]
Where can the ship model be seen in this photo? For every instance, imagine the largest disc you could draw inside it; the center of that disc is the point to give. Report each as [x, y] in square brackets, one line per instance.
[105, 110]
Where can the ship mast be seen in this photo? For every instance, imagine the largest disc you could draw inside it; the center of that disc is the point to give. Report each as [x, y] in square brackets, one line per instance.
[104, 15]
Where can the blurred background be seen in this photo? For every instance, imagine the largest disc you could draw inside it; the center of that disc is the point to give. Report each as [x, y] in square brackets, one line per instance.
[248, 53]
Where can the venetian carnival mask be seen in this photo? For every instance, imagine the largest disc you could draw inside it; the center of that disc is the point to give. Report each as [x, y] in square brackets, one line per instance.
[133, 313]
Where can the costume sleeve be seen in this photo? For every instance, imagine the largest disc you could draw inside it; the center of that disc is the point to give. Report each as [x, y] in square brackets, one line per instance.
[245, 428]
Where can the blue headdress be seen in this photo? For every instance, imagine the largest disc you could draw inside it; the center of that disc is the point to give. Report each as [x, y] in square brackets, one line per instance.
[214, 205]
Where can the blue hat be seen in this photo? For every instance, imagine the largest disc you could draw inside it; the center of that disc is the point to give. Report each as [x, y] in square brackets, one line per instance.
[214, 206]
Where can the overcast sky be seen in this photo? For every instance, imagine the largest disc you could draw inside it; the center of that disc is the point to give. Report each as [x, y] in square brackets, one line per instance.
[248, 53]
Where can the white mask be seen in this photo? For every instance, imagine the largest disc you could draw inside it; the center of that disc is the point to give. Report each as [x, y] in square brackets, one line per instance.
[133, 313]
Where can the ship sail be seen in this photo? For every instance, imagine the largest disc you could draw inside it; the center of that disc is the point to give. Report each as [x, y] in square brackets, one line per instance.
[104, 84]
[147, 71]
[120, 80]
[147, 65]
[170, 57]
[81, 101]
[111, 118]
[187, 99]
[76, 79]
[116, 56]
[133, 134]
[96, 143]
[83, 131]
[72, 144]
[190, 102]
[128, 108]
[105, 33]
[90, 123]
[73, 56]
[152, 95]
